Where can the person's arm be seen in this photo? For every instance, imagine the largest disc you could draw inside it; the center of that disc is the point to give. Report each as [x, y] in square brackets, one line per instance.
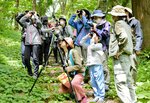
[83, 41]
[18, 18]
[38, 22]
[46, 30]
[122, 36]
[96, 47]
[70, 31]
[77, 62]
[85, 20]
[72, 22]
[23, 21]
[139, 36]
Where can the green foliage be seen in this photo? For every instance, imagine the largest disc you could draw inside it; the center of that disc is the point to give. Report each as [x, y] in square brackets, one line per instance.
[14, 81]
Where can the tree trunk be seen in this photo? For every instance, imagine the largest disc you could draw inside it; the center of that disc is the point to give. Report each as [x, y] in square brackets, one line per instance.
[34, 5]
[62, 4]
[142, 12]
[102, 5]
[16, 24]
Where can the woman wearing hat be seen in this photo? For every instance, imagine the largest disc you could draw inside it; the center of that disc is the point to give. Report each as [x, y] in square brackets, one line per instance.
[102, 27]
[121, 58]
[95, 58]
[74, 68]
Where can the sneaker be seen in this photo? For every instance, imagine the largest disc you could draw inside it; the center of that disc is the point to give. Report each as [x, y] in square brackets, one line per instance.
[30, 74]
[35, 76]
[100, 100]
[94, 100]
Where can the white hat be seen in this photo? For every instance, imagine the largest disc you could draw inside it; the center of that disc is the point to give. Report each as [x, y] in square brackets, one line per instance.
[117, 10]
[128, 9]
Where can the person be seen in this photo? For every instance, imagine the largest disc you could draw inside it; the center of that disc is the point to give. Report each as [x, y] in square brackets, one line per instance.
[82, 28]
[95, 58]
[74, 64]
[66, 29]
[46, 37]
[137, 40]
[33, 41]
[23, 35]
[102, 27]
[121, 55]
[53, 24]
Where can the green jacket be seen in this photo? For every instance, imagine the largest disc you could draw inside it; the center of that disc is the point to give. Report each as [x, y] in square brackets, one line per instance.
[123, 36]
[77, 62]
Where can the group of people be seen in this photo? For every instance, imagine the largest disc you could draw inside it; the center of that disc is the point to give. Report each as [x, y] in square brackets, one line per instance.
[87, 49]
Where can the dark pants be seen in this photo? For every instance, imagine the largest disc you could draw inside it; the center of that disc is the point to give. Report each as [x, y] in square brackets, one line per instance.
[55, 51]
[34, 49]
[22, 52]
[45, 49]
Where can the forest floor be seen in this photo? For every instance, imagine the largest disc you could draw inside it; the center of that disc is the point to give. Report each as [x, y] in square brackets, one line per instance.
[15, 82]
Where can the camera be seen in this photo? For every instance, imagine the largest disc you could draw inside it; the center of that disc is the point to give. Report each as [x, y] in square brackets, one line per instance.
[32, 12]
[79, 12]
[91, 33]
[90, 24]
[57, 32]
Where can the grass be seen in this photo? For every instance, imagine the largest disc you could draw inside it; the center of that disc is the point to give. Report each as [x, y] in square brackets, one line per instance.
[15, 83]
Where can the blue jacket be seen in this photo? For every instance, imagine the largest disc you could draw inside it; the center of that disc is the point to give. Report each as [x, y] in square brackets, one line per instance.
[137, 32]
[82, 28]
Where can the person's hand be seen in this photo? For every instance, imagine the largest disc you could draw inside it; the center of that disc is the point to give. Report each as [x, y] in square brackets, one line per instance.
[117, 55]
[94, 26]
[28, 14]
[89, 35]
[67, 69]
[137, 52]
[77, 12]
[83, 13]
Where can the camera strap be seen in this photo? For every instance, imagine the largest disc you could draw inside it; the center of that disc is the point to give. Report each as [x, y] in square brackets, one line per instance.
[80, 29]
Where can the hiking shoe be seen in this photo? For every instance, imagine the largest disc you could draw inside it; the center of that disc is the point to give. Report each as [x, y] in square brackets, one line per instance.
[30, 74]
[35, 76]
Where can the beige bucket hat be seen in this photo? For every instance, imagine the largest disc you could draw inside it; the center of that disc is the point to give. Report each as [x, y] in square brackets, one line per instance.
[118, 10]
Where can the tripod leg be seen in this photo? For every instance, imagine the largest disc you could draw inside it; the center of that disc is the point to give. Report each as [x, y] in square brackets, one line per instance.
[42, 67]
[36, 80]
[63, 65]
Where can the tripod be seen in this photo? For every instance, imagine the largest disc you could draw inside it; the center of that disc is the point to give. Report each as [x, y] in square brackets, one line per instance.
[63, 65]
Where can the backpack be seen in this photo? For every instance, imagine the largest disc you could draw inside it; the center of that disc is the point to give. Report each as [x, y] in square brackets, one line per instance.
[72, 74]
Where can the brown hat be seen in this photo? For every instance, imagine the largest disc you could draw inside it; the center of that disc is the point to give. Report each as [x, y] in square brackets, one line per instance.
[118, 10]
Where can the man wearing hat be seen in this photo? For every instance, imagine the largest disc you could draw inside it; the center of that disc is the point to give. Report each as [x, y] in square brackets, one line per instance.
[137, 39]
[102, 27]
[121, 58]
